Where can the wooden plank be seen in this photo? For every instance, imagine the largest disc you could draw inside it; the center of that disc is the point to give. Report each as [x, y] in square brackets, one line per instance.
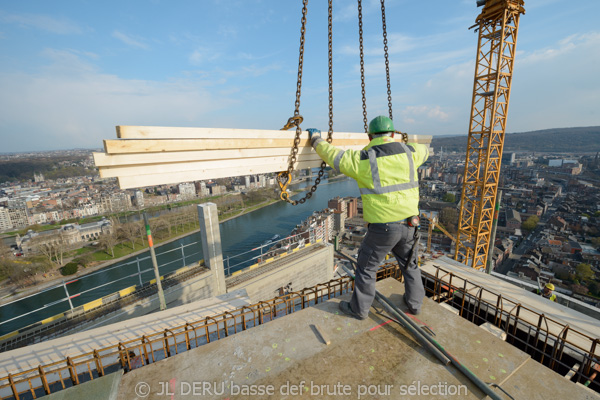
[162, 132]
[129, 182]
[148, 169]
[150, 155]
[111, 160]
[321, 333]
[160, 145]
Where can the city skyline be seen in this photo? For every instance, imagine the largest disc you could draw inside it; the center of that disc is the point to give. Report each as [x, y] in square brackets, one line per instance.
[71, 72]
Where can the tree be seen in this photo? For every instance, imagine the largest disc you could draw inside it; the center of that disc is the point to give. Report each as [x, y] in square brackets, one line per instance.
[449, 197]
[584, 272]
[530, 223]
[594, 289]
[108, 241]
[69, 269]
[4, 250]
[21, 272]
[129, 231]
[84, 260]
[577, 288]
[141, 227]
[51, 250]
[160, 227]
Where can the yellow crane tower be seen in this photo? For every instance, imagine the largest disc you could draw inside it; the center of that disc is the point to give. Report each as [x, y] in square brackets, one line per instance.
[498, 25]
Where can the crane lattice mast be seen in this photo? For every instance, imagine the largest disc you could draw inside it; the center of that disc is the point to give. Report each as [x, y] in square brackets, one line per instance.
[498, 25]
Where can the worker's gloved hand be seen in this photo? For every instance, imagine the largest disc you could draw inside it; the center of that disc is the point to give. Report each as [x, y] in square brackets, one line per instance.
[314, 135]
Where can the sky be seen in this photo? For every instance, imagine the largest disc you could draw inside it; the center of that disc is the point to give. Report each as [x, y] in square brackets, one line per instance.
[70, 71]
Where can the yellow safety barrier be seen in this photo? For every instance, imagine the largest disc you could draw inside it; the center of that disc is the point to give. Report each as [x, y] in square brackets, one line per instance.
[153, 281]
[92, 304]
[8, 335]
[54, 318]
[126, 291]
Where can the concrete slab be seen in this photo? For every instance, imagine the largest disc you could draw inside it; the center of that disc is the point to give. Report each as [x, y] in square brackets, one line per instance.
[487, 356]
[533, 381]
[375, 356]
[105, 388]
[55, 350]
[449, 308]
[494, 330]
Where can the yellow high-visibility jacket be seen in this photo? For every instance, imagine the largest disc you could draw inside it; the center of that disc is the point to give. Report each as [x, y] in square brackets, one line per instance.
[552, 297]
[386, 173]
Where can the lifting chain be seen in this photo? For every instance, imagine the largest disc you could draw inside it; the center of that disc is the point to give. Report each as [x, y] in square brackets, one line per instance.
[284, 178]
[362, 66]
[387, 61]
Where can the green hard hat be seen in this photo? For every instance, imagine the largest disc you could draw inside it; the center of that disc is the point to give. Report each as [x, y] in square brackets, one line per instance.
[381, 124]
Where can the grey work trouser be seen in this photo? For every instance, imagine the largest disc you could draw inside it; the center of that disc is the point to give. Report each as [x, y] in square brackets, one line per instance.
[379, 241]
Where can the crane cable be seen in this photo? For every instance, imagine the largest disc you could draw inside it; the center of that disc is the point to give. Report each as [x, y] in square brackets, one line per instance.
[285, 177]
[387, 68]
[387, 60]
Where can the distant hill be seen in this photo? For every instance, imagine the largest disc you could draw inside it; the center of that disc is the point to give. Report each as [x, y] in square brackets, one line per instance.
[570, 140]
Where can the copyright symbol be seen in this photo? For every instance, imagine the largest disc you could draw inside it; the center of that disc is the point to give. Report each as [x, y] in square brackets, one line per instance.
[142, 389]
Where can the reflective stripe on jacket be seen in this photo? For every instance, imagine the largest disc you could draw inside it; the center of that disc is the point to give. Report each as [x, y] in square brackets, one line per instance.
[551, 298]
[386, 173]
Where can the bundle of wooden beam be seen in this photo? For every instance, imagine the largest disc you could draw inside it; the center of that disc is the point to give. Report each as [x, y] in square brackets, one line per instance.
[150, 155]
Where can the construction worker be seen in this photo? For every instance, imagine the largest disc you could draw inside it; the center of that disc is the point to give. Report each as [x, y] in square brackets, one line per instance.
[386, 173]
[548, 292]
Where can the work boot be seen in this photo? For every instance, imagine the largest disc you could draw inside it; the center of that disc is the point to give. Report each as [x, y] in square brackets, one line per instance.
[346, 309]
[412, 311]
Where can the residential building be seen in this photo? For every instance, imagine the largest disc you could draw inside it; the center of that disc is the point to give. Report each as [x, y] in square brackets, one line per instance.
[339, 220]
[217, 190]
[5, 223]
[351, 207]
[338, 204]
[18, 217]
[187, 190]
[202, 190]
[70, 236]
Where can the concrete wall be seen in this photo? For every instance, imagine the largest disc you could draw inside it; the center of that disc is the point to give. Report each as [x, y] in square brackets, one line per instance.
[301, 268]
[315, 266]
[197, 288]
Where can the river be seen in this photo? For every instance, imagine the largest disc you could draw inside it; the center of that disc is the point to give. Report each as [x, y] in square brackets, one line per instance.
[238, 235]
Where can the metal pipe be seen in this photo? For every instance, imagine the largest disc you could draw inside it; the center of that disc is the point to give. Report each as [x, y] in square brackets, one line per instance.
[161, 295]
[68, 295]
[420, 334]
[402, 319]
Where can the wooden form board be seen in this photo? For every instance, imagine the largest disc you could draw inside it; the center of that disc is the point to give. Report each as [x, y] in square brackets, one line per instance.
[149, 156]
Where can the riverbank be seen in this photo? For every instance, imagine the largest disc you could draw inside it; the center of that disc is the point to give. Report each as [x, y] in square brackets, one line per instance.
[9, 293]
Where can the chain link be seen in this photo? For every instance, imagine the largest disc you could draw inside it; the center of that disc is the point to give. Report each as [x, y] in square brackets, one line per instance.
[362, 66]
[387, 61]
[284, 178]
